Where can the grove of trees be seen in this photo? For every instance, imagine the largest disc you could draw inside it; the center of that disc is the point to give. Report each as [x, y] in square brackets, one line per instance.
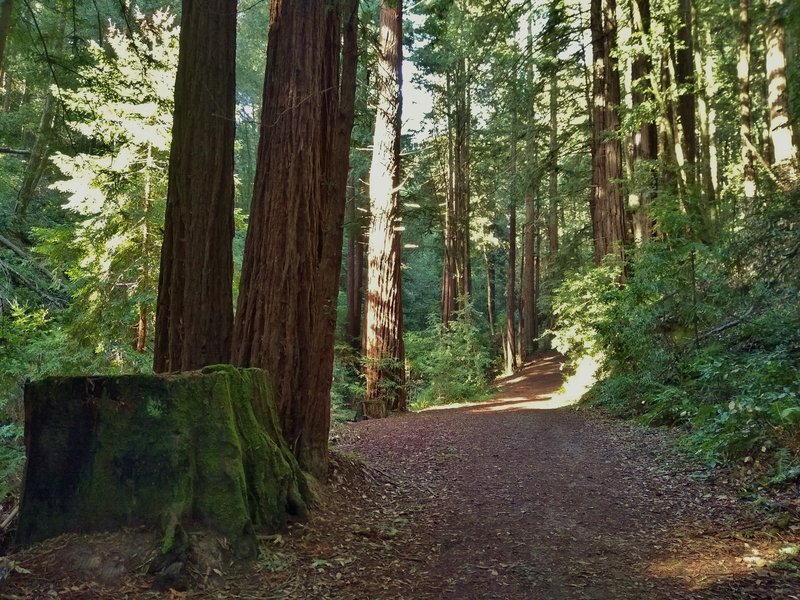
[201, 182]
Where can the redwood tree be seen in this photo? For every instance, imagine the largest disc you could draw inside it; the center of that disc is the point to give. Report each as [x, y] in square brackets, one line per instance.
[286, 307]
[384, 351]
[194, 313]
[607, 210]
[784, 148]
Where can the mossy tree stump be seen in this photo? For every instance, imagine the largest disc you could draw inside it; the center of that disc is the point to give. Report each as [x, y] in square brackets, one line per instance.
[166, 451]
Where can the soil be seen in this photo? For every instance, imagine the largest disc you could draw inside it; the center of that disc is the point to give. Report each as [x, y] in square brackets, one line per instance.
[516, 498]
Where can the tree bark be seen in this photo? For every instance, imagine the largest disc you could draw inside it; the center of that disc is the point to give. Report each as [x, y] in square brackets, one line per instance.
[384, 352]
[355, 268]
[194, 312]
[511, 271]
[449, 294]
[461, 200]
[784, 150]
[685, 80]
[645, 144]
[339, 109]
[745, 118]
[283, 311]
[606, 205]
[37, 162]
[6, 8]
[552, 210]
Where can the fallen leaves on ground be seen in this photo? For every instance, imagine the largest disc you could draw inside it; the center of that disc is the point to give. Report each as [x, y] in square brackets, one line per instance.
[499, 500]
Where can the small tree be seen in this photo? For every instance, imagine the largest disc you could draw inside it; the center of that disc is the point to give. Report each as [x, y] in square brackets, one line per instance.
[117, 185]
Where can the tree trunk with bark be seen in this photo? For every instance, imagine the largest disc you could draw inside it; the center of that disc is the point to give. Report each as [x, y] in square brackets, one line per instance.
[194, 312]
[745, 118]
[284, 308]
[510, 350]
[384, 352]
[552, 209]
[40, 152]
[784, 150]
[355, 268]
[6, 9]
[606, 205]
[645, 143]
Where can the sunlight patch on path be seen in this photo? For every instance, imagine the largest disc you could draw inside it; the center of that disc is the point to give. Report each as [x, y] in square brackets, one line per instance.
[536, 386]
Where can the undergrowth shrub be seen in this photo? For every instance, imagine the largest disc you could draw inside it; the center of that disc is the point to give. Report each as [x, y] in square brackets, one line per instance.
[347, 388]
[705, 337]
[449, 363]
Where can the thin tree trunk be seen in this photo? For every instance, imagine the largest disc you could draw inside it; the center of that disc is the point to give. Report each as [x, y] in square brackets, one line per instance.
[37, 162]
[745, 118]
[488, 262]
[449, 264]
[384, 351]
[781, 136]
[6, 8]
[463, 283]
[510, 350]
[645, 145]
[704, 74]
[552, 211]
[355, 268]
[144, 284]
[685, 80]
[194, 312]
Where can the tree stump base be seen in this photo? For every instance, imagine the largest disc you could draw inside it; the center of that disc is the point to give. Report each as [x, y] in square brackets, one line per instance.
[165, 451]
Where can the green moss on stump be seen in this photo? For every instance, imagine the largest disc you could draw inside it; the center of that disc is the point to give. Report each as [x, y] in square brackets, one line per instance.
[158, 450]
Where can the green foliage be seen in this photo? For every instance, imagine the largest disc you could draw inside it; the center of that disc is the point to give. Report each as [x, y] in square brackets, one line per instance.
[706, 337]
[449, 363]
[12, 457]
[109, 246]
[347, 389]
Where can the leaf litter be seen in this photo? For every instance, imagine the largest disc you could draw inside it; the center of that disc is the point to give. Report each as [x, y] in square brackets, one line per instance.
[500, 500]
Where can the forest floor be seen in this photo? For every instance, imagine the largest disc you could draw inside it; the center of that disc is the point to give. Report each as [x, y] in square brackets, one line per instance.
[515, 498]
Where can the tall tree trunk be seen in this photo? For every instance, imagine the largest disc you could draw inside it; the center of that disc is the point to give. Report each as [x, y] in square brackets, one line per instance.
[510, 350]
[706, 159]
[606, 205]
[449, 293]
[144, 284]
[552, 210]
[745, 118]
[194, 312]
[384, 352]
[355, 267]
[338, 109]
[528, 284]
[645, 143]
[685, 80]
[283, 313]
[488, 262]
[463, 279]
[37, 161]
[6, 8]
[784, 150]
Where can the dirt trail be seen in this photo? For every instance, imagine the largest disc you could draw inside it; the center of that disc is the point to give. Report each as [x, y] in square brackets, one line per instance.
[516, 498]
[527, 500]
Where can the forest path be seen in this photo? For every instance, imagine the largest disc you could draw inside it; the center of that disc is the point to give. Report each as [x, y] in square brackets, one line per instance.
[516, 498]
[521, 498]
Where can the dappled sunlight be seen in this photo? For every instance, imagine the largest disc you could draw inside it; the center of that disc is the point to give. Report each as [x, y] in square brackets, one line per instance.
[540, 402]
[716, 562]
[536, 386]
